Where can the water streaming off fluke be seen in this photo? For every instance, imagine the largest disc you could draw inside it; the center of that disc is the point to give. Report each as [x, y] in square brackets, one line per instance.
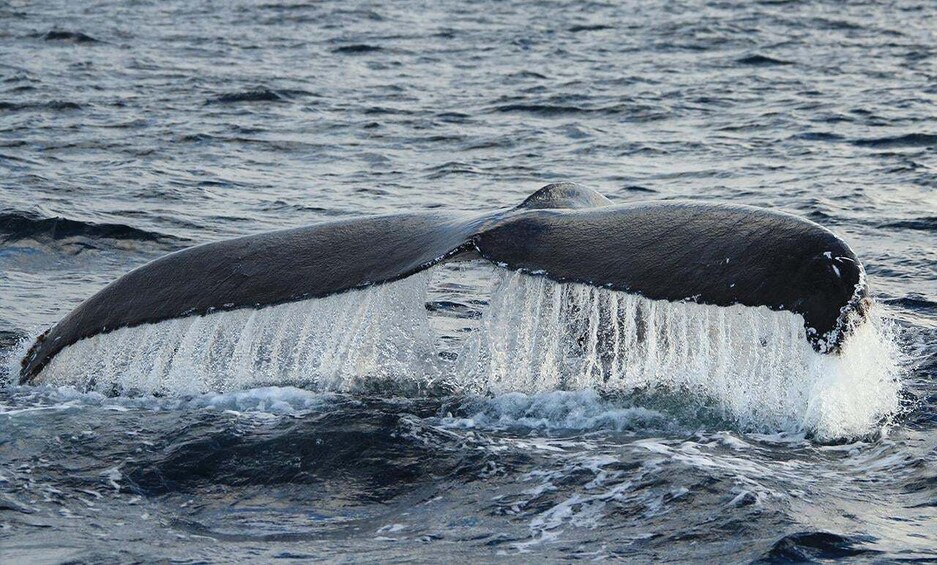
[751, 366]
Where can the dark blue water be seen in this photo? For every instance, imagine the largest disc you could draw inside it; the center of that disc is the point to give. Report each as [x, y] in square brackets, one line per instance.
[132, 129]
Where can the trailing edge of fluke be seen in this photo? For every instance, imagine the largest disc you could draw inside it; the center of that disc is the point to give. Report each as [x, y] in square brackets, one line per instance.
[716, 254]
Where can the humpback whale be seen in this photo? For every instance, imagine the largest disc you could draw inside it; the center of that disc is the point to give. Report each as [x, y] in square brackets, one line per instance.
[705, 253]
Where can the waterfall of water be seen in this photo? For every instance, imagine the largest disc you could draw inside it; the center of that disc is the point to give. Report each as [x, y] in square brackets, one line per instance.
[750, 365]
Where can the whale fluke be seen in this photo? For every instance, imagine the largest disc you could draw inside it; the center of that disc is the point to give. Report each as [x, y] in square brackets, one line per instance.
[707, 253]
[679, 251]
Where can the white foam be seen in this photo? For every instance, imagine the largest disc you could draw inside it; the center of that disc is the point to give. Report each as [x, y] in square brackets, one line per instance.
[264, 401]
[557, 410]
[752, 366]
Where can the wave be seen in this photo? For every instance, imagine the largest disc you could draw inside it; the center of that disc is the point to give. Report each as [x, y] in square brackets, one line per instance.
[554, 109]
[19, 225]
[68, 36]
[819, 136]
[528, 75]
[751, 367]
[589, 27]
[914, 302]
[54, 105]
[639, 188]
[357, 49]
[9, 339]
[928, 223]
[261, 94]
[554, 411]
[762, 61]
[908, 140]
[811, 546]
[263, 401]
[374, 452]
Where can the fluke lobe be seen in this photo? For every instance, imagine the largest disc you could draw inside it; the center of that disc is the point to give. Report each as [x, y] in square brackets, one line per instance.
[717, 254]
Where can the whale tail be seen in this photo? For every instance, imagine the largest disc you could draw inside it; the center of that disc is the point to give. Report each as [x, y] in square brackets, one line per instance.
[712, 254]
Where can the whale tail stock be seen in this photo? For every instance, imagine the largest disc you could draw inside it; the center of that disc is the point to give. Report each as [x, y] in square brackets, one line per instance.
[712, 254]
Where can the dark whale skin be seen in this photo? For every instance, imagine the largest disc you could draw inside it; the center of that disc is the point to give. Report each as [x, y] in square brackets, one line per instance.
[707, 253]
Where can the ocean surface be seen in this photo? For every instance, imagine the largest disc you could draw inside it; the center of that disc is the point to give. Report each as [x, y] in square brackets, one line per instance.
[132, 129]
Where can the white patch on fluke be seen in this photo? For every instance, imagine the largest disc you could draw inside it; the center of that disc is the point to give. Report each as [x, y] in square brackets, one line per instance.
[751, 365]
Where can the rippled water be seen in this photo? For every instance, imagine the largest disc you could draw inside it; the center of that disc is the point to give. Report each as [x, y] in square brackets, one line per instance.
[131, 129]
